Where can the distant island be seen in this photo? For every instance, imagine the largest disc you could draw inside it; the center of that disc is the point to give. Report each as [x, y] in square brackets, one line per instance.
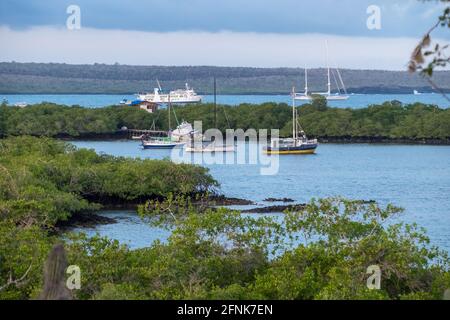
[57, 78]
[390, 122]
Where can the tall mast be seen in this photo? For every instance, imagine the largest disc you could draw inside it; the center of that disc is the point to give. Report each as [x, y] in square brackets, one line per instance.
[342, 82]
[215, 105]
[293, 114]
[168, 106]
[306, 81]
[328, 67]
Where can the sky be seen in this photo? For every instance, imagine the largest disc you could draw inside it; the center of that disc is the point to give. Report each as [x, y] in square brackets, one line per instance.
[254, 33]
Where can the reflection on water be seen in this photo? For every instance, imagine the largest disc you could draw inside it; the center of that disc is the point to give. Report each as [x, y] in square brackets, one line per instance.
[130, 229]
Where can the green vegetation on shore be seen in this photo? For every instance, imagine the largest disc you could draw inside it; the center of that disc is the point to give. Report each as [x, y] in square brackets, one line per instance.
[390, 120]
[59, 78]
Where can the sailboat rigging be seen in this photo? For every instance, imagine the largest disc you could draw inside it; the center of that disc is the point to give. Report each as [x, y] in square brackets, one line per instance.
[198, 145]
[162, 142]
[328, 95]
[298, 144]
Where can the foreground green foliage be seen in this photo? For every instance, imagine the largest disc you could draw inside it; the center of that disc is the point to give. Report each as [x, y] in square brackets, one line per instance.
[43, 181]
[320, 252]
[390, 120]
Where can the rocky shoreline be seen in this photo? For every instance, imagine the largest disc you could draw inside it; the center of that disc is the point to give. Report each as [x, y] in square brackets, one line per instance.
[120, 135]
[275, 208]
[84, 220]
[384, 140]
[123, 135]
[91, 219]
[88, 220]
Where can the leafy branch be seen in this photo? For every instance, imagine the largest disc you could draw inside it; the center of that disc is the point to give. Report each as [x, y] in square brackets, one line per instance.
[438, 55]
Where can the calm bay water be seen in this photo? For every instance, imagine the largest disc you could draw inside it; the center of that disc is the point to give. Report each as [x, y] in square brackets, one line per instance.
[101, 100]
[414, 177]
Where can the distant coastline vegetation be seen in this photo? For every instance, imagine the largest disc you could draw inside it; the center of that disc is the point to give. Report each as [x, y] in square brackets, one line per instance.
[391, 120]
[57, 78]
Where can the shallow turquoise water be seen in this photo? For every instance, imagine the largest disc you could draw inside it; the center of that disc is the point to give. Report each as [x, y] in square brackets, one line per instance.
[414, 177]
[100, 100]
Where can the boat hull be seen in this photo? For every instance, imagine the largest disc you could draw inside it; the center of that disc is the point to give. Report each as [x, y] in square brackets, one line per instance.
[210, 149]
[303, 149]
[329, 98]
[150, 145]
[168, 146]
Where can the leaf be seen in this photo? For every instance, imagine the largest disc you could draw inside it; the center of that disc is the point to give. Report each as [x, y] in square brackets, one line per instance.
[426, 41]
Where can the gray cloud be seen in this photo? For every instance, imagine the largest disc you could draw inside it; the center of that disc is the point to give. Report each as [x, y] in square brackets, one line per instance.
[344, 17]
[48, 44]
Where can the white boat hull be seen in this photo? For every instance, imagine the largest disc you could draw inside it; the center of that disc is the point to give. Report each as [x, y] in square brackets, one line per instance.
[176, 96]
[209, 148]
[329, 98]
[165, 99]
[160, 145]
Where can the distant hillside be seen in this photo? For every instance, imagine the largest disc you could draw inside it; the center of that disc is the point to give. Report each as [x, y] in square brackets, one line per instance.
[101, 78]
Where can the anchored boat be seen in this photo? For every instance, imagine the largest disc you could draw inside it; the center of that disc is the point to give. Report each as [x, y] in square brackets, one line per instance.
[184, 132]
[298, 144]
[210, 147]
[328, 95]
[162, 142]
[197, 143]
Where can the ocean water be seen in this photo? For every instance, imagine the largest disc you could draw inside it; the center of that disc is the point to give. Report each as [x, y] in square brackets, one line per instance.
[414, 177]
[101, 100]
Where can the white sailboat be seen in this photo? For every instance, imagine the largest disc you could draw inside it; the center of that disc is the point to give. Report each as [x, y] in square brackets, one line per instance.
[298, 144]
[184, 132]
[162, 142]
[328, 95]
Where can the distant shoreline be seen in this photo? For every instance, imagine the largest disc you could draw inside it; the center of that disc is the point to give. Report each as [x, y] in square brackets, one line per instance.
[57, 78]
[118, 136]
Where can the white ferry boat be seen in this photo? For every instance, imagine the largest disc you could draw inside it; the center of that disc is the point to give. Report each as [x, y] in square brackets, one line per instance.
[181, 96]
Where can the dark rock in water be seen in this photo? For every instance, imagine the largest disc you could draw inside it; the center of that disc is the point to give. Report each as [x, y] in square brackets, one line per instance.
[270, 209]
[278, 200]
[365, 201]
[84, 220]
[226, 201]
